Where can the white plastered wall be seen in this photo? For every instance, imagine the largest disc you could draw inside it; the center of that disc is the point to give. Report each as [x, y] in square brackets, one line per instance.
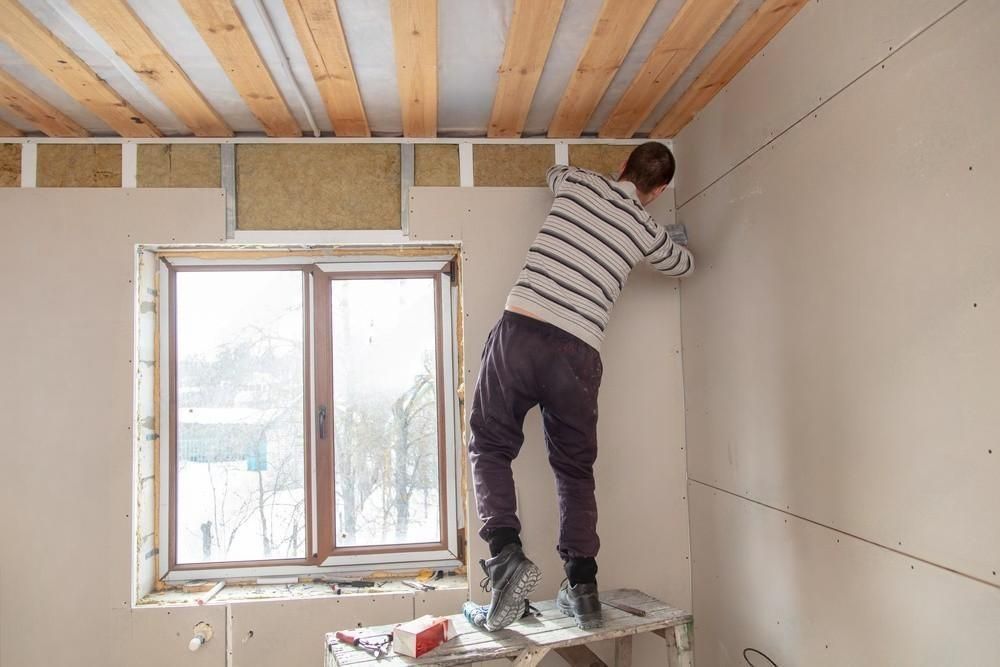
[641, 466]
[841, 367]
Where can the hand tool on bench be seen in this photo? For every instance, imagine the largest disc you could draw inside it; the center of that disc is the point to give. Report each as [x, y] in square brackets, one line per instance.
[376, 645]
[417, 585]
[635, 611]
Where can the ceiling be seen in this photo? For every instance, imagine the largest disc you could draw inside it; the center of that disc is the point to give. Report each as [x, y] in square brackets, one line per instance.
[504, 68]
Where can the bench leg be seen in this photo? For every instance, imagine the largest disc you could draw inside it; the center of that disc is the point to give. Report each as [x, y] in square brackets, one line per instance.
[530, 657]
[623, 651]
[680, 645]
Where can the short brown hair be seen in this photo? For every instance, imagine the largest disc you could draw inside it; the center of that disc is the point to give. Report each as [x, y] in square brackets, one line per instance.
[649, 166]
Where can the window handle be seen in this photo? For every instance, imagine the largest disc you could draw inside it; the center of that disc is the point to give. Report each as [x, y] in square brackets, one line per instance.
[321, 422]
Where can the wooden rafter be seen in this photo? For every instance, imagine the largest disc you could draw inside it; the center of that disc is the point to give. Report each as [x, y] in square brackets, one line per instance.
[26, 35]
[321, 34]
[614, 32]
[529, 39]
[223, 29]
[414, 30]
[695, 23]
[115, 21]
[32, 108]
[8, 130]
[763, 25]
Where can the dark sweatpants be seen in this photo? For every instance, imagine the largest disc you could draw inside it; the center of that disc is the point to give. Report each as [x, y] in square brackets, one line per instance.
[527, 362]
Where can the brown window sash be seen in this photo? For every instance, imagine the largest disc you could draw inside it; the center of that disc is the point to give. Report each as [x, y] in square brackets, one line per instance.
[317, 354]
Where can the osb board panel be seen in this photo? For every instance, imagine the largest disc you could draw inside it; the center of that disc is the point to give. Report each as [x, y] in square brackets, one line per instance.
[79, 166]
[641, 402]
[10, 165]
[840, 352]
[602, 158]
[807, 595]
[435, 164]
[179, 166]
[293, 633]
[825, 47]
[70, 327]
[328, 186]
[511, 165]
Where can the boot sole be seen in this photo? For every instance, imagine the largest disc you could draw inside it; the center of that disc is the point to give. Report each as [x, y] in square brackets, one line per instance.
[584, 621]
[511, 605]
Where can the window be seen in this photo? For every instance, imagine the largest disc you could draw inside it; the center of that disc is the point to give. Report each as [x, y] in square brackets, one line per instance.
[311, 410]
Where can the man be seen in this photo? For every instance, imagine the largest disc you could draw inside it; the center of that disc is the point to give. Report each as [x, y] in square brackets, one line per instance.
[545, 351]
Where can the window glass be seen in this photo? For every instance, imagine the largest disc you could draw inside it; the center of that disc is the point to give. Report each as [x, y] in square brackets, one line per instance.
[385, 412]
[239, 402]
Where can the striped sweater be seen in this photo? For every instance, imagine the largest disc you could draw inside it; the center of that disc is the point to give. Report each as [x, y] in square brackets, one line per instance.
[594, 235]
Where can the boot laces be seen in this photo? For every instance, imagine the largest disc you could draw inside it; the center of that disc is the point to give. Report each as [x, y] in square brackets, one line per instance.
[485, 583]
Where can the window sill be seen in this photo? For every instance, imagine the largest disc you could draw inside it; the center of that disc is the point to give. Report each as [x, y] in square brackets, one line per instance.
[301, 591]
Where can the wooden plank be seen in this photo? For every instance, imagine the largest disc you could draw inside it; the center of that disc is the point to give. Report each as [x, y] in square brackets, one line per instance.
[759, 29]
[614, 32]
[529, 38]
[119, 26]
[550, 630]
[580, 656]
[225, 33]
[321, 34]
[623, 651]
[414, 31]
[26, 35]
[694, 24]
[35, 110]
[530, 657]
[684, 639]
[8, 130]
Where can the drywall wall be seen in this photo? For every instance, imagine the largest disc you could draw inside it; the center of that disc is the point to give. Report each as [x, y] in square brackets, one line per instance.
[798, 578]
[833, 43]
[641, 467]
[66, 351]
[66, 484]
[840, 335]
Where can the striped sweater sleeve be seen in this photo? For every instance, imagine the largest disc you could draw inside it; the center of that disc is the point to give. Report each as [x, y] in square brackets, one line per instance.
[668, 257]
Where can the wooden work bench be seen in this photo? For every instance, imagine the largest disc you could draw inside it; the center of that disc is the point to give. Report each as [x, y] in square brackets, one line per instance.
[529, 640]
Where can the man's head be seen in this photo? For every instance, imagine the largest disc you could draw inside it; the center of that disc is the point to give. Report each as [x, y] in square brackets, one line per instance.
[650, 168]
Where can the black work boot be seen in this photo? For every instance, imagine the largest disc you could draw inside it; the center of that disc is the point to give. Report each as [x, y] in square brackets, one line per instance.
[511, 577]
[582, 603]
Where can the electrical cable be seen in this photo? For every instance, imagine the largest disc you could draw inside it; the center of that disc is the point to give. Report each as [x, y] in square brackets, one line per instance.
[760, 653]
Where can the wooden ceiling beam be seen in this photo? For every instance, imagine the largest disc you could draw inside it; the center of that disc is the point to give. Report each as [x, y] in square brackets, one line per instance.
[753, 36]
[26, 35]
[694, 24]
[221, 26]
[614, 32]
[124, 32]
[414, 30]
[529, 39]
[321, 34]
[32, 108]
